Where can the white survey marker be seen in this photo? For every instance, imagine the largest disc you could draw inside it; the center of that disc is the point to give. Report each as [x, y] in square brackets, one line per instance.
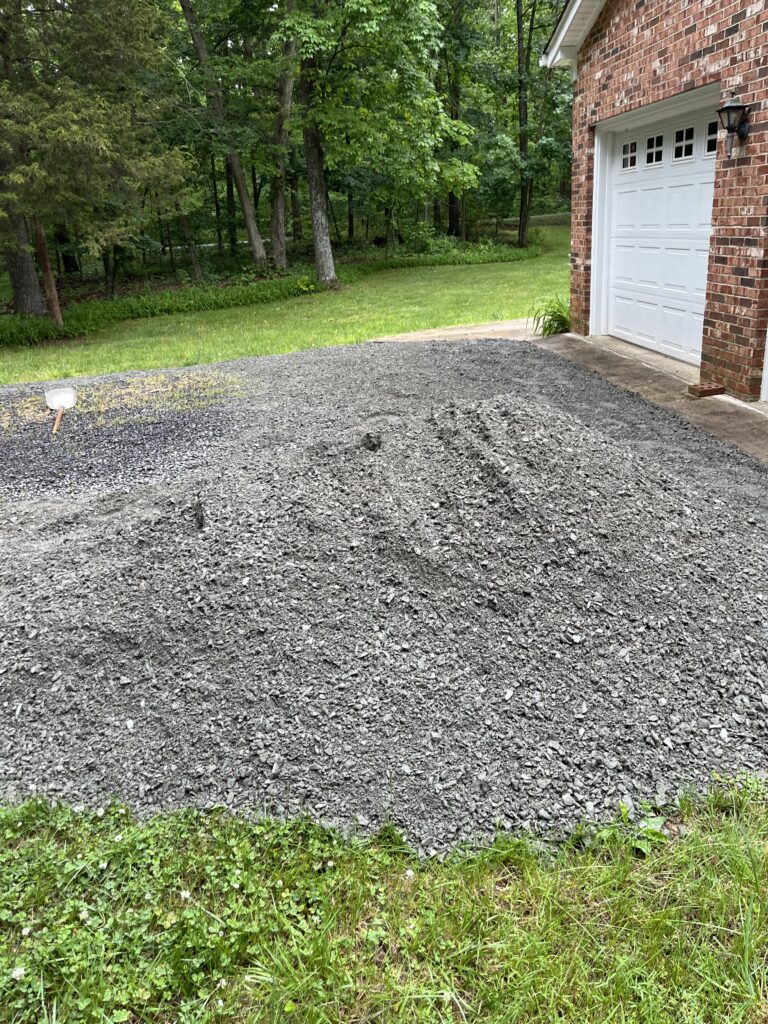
[60, 399]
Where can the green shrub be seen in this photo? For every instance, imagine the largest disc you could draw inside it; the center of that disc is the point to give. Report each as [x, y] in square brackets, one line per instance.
[553, 316]
[95, 314]
[536, 236]
[456, 256]
[422, 239]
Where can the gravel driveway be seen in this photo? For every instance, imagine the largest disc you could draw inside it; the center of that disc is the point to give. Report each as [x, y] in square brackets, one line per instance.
[452, 584]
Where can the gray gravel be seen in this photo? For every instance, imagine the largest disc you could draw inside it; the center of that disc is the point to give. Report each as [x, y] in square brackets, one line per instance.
[453, 584]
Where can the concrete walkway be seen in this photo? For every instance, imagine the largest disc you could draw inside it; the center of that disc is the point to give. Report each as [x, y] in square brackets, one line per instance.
[515, 330]
[665, 382]
[657, 378]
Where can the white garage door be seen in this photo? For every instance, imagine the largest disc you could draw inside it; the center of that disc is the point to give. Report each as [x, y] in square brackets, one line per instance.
[661, 185]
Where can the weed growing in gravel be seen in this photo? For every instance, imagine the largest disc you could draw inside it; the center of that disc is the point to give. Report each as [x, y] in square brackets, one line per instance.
[141, 396]
[205, 918]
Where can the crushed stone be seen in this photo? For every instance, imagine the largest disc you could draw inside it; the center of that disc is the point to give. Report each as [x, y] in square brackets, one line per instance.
[453, 585]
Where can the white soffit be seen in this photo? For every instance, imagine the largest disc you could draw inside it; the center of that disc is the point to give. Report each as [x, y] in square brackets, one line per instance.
[570, 32]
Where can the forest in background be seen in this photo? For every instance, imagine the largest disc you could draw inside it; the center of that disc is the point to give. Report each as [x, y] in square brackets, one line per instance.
[143, 138]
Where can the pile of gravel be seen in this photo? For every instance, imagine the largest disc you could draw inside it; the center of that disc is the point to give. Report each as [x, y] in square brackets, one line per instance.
[455, 614]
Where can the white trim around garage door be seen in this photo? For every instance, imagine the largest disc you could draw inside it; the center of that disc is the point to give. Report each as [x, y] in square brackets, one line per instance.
[764, 390]
[693, 100]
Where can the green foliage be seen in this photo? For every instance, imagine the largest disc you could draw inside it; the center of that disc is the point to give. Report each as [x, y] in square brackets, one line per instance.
[88, 317]
[447, 253]
[367, 306]
[642, 835]
[80, 103]
[422, 238]
[202, 918]
[553, 316]
[372, 66]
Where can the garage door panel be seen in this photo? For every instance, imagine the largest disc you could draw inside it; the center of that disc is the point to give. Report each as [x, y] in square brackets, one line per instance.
[648, 265]
[701, 264]
[675, 329]
[676, 267]
[625, 210]
[704, 207]
[683, 201]
[657, 247]
[623, 316]
[652, 208]
[624, 264]
[648, 318]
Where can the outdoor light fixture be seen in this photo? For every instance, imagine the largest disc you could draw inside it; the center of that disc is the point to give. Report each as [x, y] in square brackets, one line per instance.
[733, 117]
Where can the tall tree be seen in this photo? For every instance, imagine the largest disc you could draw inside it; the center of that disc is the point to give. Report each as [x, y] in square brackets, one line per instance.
[27, 296]
[455, 53]
[218, 109]
[281, 140]
[318, 190]
[77, 123]
[525, 18]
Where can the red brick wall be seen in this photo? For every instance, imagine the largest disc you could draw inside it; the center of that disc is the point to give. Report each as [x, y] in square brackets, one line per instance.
[642, 51]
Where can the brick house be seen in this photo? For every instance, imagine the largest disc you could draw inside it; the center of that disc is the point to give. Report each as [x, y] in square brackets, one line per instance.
[670, 234]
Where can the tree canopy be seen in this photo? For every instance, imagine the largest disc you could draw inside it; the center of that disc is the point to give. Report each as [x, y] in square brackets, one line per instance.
[133, 126]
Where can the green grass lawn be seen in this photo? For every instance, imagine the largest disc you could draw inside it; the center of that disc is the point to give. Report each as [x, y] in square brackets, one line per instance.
[191, 918]
[388, 302]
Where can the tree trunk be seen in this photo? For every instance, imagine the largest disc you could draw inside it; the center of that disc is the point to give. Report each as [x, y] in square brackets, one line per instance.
[171, 253]
[231, 212]
[216, 100]
[388, 234]
[189, 241]
[297, 228]
[216, 206]
[313, 152]
[277, 186]
[27, 297]
[524, 48]
[524, 212]
[333, 218]
[258, 252]
[116, 257]
[49, 281]
[454, 215]
[105, 262]
[64, 243]
[350, 217]
[454, 109]
[277, 222]
[26, 293]
[256, 186]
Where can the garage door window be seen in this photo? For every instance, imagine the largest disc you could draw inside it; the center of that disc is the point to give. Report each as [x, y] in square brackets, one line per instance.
[628, 155]
[683, 144]
[654, 150]
[710, 147]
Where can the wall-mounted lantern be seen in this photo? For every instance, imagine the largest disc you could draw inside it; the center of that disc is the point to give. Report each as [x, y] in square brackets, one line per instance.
[734, 118]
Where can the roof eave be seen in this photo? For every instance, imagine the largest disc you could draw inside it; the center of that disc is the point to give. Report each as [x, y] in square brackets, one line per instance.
[571, 30]
[562, 57]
